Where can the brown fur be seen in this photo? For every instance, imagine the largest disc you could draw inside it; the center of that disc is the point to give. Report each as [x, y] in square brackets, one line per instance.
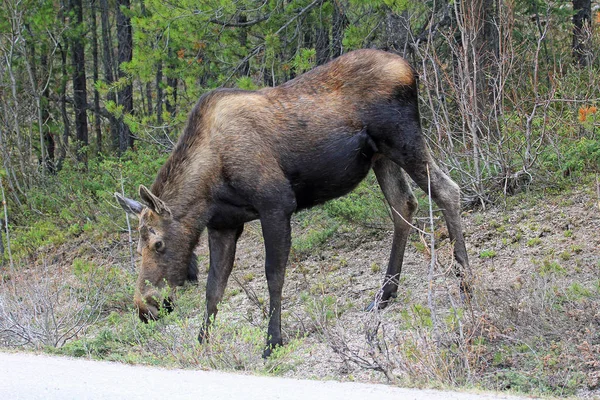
[265, 154]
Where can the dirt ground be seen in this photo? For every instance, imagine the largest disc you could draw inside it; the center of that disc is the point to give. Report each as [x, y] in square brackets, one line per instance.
[520, 254]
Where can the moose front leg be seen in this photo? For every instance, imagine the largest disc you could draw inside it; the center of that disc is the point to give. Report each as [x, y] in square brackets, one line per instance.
[277, 234]
[221, 244]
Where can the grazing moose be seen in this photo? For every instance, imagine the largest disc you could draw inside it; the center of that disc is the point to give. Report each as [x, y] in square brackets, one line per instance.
[265, 154]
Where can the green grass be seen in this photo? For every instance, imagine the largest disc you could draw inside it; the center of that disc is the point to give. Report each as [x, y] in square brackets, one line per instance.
[75, 201]
[551, 267]
[487, 254]
[317, 233]
[578, 292]
[365, 205]
[41, 234]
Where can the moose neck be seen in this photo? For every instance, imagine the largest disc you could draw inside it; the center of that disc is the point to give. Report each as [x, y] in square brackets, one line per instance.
[184, 183]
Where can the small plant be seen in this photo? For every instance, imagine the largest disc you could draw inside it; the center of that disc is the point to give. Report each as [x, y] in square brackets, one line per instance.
[319, 230]
[420, 246]
[565, 255]
[534, 241]
[518, 236]
[45, 311]
[364, 206]
[284, 358]
[322, 309]
[375, 268]
[581, 156]
[578, 292]
[487, 254]
[576, 248]
[551, 267]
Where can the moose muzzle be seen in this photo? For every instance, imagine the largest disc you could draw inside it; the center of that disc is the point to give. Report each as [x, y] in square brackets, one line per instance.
[149, 308]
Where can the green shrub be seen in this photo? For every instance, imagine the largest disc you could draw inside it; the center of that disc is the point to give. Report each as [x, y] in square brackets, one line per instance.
[318, 228]
[573, 157]
[26, 240]
[365, 205]
[75, 200]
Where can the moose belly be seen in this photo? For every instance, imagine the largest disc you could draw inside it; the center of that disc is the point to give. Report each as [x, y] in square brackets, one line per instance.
[331, 169]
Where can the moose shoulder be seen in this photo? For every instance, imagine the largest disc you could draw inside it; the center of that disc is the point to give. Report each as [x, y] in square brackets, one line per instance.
[265, 154]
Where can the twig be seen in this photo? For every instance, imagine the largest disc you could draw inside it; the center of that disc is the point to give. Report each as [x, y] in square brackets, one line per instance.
[129, 236]
[598, 191]
[432, 264]
[252, 296]
[300, 13]
[240, 24]
[4, 205]
[408, 223]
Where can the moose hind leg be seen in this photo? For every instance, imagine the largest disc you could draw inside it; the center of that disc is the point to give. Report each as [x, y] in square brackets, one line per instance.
[409, 150]
[446, 194]
[403, 203]
[221, 245]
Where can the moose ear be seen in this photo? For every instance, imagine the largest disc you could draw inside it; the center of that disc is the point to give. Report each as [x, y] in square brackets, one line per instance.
[130, 206]
[153, 202]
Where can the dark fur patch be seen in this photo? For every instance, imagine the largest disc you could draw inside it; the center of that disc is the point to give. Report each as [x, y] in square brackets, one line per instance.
[192, 273]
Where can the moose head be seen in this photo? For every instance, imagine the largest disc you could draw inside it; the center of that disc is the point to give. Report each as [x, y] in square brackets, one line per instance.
[166, 246]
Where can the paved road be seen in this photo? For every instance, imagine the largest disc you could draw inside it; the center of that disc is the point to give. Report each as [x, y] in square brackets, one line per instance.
[27, 376]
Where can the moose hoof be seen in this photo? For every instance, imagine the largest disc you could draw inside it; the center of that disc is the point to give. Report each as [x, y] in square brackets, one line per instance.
[267, 353]
[203, 336]
[381, 304]
[269, 349]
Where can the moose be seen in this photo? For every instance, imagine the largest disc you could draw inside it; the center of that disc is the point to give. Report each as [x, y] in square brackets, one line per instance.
[265, 154]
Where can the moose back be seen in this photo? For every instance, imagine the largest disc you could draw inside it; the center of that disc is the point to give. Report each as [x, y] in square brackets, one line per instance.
[265, 154]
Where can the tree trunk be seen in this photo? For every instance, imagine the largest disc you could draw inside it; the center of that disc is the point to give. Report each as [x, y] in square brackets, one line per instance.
[64, 143]
[1, 244]
[171, 101]
[38, 79]
[322, 45]
[125, 53]
[397, 32]
[97, 128]
[108, 63]
[48, 138]
[340, 23]
[159, 94]
[149, 98]
[243, 38]
[171, 105]
[581, 31]
[79, 83]
[491, 11]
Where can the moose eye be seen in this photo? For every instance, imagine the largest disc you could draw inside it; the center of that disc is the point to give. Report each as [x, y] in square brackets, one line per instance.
[159, 246]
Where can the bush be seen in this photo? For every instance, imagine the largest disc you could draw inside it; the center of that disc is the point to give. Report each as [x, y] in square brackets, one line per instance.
[365, 205]
[581, 156]
[75, 200]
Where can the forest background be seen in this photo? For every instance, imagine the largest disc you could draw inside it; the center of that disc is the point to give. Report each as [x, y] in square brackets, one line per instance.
[508, 88]
[93, 95]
